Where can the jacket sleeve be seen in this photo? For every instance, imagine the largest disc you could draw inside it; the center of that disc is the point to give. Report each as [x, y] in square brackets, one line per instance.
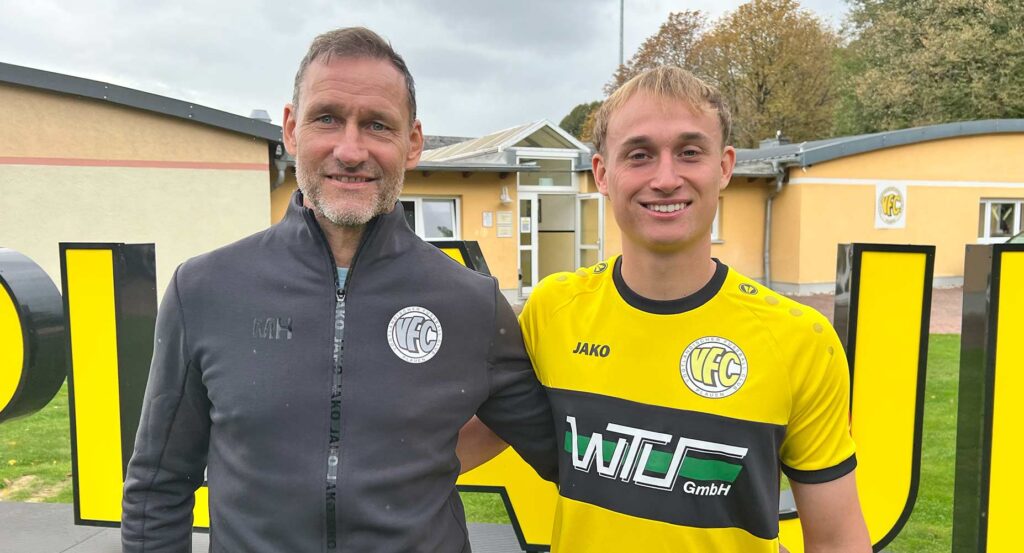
[169, 457]
[518, 410]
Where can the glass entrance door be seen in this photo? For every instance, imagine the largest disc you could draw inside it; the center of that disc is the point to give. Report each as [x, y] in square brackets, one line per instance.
[528, 218]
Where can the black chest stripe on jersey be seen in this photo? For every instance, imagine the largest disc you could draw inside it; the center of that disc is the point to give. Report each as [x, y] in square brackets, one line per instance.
[675, 466]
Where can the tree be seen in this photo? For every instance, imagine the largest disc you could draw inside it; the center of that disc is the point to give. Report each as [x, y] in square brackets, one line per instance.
[773, 61]
[575, 121]
[675, 43]
[775, 64]
[932, 61]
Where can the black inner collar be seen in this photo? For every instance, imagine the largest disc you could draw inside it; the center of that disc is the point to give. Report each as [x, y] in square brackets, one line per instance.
[670, 307]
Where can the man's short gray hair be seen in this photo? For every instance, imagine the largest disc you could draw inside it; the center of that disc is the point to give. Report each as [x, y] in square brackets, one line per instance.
[354, 42]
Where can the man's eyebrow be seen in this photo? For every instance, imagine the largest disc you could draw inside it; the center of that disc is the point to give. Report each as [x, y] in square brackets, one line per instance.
[636, 142]
[693, 137]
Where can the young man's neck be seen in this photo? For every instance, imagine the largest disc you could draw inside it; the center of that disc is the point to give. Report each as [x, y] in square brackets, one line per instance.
[666, 275]
[343, 240]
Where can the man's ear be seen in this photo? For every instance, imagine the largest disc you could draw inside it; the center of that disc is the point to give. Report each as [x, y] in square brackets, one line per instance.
[412, 158]
[288, 129]
[600, 173]
[728, 164]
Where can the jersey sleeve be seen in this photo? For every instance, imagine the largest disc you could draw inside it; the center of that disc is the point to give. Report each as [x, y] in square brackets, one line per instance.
[818, 446]
[171, 446]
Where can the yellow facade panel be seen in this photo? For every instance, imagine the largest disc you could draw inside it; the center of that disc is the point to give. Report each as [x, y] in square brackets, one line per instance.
[40, 124]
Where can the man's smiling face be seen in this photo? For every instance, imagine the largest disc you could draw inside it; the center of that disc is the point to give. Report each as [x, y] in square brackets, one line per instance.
[352, 137]
[662, 169]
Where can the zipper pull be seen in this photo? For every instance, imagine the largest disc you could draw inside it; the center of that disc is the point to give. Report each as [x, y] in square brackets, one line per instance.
[341, 294]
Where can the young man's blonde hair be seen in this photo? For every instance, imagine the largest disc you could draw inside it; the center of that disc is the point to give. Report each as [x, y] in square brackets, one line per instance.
[667, 82]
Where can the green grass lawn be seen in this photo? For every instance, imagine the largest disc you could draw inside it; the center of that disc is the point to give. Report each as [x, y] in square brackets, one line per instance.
[35, 455]
[35, 460]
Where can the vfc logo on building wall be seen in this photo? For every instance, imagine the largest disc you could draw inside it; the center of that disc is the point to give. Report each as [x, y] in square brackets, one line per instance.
[890, 205]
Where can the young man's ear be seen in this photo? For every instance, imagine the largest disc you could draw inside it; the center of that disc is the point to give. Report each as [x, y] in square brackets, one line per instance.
[288, 128]
[728, 164]
[600, 173]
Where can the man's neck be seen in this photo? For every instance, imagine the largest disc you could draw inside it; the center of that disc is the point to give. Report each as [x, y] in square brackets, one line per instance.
[666, 275]
[343, 240]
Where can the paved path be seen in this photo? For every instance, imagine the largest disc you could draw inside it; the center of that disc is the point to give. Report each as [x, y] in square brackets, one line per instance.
[49, 528]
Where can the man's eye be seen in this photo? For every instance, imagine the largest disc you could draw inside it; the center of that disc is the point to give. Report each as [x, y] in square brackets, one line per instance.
[325, 119]
[690, 153]
[378, 126]
[637, 156]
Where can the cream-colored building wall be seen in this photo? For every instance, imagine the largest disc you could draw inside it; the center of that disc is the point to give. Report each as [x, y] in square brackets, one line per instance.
[946, 217]
[477, 193]
[741, 226]
[81, 170]
[834, 202]
[40, 124]
[184, 212]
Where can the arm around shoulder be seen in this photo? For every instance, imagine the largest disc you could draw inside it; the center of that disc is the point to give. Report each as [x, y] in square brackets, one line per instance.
[171, 446]
[518, 410]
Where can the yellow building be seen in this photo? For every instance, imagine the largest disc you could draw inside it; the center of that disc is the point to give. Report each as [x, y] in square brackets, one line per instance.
[87, 161]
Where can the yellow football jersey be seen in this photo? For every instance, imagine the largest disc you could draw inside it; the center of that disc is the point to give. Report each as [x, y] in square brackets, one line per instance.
[676, 415]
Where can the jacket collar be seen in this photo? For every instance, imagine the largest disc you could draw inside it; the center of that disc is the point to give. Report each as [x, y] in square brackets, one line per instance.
[384, 233]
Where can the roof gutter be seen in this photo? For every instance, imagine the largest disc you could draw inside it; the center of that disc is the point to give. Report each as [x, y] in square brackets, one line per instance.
[780, 181]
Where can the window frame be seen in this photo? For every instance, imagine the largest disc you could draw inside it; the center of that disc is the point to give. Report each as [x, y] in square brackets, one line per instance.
[986, 212]
[417, 202]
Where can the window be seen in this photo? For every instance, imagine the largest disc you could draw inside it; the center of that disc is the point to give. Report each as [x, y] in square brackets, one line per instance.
[433, 218]
[998, 220]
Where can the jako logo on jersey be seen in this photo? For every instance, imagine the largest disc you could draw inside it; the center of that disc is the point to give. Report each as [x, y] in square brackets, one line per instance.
[593, 350]
[709, 468]
[713, 367]
[414, 334]
[748, 289]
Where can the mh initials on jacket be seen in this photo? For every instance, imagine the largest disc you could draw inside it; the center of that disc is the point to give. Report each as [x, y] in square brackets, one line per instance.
[271, 328]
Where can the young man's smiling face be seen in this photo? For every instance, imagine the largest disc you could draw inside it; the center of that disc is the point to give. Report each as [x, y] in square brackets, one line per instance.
[662, 168]
[353, 137]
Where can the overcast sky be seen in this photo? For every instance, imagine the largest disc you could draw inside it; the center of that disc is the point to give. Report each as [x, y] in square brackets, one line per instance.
[480, 65]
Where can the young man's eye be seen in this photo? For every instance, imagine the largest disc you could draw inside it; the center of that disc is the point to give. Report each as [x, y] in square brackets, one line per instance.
[689, 153]
[637, 156]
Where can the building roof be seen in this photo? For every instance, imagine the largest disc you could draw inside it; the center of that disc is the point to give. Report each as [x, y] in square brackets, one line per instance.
[106, 92]
[433, 141]
[754, 162]
[499, 146]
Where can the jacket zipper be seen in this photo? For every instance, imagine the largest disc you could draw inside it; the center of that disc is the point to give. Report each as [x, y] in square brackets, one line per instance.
[334, 438]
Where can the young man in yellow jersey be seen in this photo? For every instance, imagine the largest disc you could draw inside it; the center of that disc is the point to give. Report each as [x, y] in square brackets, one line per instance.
[679, 387]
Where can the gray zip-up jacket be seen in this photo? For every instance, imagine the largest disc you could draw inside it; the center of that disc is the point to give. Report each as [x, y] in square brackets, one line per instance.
[241, 383]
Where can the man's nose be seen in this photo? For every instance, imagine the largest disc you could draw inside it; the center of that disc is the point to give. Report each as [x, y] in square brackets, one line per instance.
[349, 148]
[666, 176]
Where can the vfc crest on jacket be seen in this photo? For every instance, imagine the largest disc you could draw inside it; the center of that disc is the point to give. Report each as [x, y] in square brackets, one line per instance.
[674, 416]
[427, 343]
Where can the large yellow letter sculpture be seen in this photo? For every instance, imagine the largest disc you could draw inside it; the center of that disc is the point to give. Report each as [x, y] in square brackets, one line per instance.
[32, 336]
[883, 302]
[987, 500]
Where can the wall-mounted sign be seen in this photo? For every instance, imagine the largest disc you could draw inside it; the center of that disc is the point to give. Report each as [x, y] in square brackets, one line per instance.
[505, 224]
[890, 206]
[488, 219]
